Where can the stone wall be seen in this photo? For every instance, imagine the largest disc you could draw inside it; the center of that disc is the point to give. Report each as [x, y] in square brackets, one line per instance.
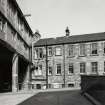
[64, 59]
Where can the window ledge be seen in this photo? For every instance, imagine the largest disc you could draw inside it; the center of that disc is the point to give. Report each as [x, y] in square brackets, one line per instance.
[71, 56]
[58, 74]
[94, 54]
[58, 55]
[38, 58]
[83, 73]
[82, 55]
[50, 55]
[70, 74]
[94, 74]
[50, 75]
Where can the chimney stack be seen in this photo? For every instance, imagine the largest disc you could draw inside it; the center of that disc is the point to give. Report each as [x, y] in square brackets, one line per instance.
[67, 31]
[37, 36]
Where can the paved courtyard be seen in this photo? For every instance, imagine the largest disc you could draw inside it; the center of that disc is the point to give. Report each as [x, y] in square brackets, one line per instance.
[71, 97]
[14, 98]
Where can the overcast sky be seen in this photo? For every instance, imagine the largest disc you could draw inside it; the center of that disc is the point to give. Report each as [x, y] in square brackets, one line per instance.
[51, 17]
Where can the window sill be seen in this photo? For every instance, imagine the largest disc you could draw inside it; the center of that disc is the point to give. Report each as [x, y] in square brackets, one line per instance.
[94, 54]
[58, 74]
[49, 55]
[71, 56]
[70, 74]
[82, 55]
[94, 74]
[83, 73]
[38, 58]
[50, 75]
[58, 55]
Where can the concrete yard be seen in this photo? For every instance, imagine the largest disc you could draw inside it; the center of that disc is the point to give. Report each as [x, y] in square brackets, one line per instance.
[69, 97]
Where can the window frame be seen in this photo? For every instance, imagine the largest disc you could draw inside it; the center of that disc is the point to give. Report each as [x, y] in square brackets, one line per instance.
[104, 66]
[94, 67]
[71, 66]
[82, 67]
[60, 51]
[71, 50]
[94, 48]
[50, 69]
[82, 50]
[50, 51]
[58, 68]
[104, 47]
[38, 71]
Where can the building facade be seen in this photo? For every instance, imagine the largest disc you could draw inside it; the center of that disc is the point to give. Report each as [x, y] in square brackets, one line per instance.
[16, 39]
[60, 61]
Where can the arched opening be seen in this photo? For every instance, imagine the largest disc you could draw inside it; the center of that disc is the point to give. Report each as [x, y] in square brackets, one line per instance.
[22, 73]
[5, 69]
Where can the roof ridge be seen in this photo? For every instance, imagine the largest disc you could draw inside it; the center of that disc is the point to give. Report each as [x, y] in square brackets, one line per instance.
[71, 39]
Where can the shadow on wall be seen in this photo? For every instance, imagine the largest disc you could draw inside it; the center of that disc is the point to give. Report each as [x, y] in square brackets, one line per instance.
[94, 86]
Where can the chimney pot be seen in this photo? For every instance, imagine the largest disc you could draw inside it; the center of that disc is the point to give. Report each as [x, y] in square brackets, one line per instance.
[67, 31]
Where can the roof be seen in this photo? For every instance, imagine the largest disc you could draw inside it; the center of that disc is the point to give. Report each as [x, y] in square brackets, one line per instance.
[71, 39]
[22, 16]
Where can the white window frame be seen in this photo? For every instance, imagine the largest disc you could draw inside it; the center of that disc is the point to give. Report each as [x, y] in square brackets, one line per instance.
[94, 46]
[58, 51]
[50, 51]
[82, 67]
[94, 67]
[71, 50]
[82, 49]
[38, 71]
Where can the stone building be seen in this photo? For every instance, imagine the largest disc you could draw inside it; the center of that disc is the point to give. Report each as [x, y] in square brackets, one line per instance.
[60, 61]
[15, 47]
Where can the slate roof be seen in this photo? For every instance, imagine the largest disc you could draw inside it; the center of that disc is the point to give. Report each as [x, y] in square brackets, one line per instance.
[71, 39]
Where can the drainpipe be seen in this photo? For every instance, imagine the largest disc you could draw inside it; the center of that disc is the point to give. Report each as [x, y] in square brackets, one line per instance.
[46, 66]
[64, 64]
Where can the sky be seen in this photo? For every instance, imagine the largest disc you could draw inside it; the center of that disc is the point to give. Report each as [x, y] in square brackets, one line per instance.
[51, 17]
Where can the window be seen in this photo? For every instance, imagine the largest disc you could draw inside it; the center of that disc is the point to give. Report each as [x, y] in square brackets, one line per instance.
[38, 86]
[82, 49]
[38, 53]
[49, 85]
[50, 51]
[94, 48]
[82, 67]
[50, 70]
[58, 51]
[13, 33]
[59, 69]
[71, 85]
[2, 24]
[104, 66]
[71, 68]
[104, 47]
[94, 67]
[2, 2]
[38, 70]
[71, 50]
